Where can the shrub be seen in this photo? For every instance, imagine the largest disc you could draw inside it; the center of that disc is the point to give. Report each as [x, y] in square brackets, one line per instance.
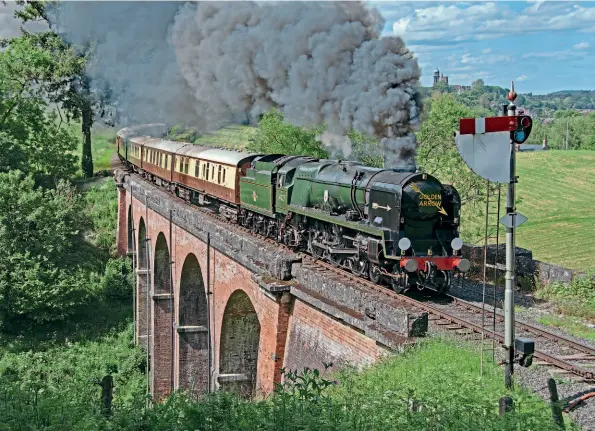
[117, 281]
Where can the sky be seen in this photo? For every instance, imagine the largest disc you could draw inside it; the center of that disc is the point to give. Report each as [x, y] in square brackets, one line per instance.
[544, 46]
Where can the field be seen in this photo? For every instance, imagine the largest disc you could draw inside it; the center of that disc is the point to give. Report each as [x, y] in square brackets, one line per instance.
[234, 137]
[556, 193]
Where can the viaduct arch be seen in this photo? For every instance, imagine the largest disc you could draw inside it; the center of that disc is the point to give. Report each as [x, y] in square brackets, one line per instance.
[193, 329]
[239, 343]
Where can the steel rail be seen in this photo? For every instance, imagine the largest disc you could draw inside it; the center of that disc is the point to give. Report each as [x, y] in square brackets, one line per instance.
[529, 328]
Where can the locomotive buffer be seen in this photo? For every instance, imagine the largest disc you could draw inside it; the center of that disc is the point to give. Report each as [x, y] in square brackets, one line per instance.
[488, 146]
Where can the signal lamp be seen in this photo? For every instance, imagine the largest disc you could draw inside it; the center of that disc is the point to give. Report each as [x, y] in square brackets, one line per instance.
[525, 121]
[523, 129]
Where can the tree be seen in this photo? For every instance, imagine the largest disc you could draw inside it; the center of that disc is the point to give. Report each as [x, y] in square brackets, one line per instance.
[31, 140]
[276, 136]
[69, 86]
[438, 155]
[37, 236]
[477, 84]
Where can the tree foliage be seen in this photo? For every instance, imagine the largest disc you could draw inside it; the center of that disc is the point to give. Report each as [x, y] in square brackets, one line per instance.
[32, 140]
[49, 69]
[37, 236]
[276, 136]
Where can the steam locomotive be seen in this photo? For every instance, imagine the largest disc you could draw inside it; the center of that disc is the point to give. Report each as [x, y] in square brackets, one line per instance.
[398, 228]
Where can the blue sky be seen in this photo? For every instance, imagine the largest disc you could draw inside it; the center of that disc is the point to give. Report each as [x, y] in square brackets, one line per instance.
[542, 46]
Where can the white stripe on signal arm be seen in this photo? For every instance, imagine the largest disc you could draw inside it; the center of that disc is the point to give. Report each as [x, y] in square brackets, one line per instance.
[480, 125]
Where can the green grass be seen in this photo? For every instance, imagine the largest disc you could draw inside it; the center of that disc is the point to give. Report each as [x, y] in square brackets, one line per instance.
[102, 145]
[556, 192]
[571, 325]
[575, 300]
[234, 137]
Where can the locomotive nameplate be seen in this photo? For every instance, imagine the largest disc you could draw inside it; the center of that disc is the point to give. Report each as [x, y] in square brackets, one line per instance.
[429, 200]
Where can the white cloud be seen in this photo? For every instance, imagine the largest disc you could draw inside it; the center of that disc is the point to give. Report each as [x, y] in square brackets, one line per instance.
[486, 51]
[486, 20]
[522, 78]
[400, 26]
[554, 54]
[582, 45]
[485, 59]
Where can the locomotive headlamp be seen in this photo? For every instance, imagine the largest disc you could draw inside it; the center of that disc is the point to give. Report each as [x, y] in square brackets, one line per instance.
[404, 244]
[456, 244]
[411, 265]
[464, 265]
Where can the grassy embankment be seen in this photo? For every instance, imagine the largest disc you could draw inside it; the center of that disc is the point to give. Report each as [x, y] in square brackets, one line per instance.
[233, 137]
[556, 193]
[102, 145]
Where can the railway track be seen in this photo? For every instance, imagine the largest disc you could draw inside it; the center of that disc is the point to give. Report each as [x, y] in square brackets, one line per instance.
[567, 356]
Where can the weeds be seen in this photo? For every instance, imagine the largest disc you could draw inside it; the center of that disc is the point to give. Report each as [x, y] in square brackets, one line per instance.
[575, 299]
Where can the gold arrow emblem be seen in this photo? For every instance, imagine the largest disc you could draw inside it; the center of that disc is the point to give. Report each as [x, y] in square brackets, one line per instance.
[428, 199]
[376, 206]
[254, 196]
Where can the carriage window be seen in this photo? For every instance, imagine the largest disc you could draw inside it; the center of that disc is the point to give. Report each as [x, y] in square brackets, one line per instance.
[204, 169]
[165, 161]
[187, 164]
[196, 169]
[212, 172]
[219, 175]
[224, 170]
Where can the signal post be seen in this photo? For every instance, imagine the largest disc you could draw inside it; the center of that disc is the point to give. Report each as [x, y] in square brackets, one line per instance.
[488, 146]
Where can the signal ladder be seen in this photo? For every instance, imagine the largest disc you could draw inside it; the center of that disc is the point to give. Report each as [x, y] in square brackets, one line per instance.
[492, 236]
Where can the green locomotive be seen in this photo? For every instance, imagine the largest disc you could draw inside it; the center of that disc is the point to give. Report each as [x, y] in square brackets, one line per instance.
[388, 225]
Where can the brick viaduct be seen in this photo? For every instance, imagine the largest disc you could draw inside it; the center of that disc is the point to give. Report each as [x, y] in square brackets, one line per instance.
[216, 308]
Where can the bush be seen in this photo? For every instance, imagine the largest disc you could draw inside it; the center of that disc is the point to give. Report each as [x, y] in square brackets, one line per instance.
[101, 207]
[117, 282]
[576, 298]
[38, 229]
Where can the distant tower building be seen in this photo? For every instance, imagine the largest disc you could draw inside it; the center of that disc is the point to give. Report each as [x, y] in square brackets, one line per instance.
[436, 77]
[444, 79]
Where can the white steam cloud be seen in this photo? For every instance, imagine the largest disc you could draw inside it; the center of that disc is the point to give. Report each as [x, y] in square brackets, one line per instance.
[210, 64]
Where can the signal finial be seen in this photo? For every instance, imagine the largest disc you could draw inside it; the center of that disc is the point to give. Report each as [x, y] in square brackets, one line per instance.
[512, 94]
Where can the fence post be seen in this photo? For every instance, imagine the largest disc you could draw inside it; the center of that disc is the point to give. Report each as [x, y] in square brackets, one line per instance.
[555, 403]
[505, 405]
